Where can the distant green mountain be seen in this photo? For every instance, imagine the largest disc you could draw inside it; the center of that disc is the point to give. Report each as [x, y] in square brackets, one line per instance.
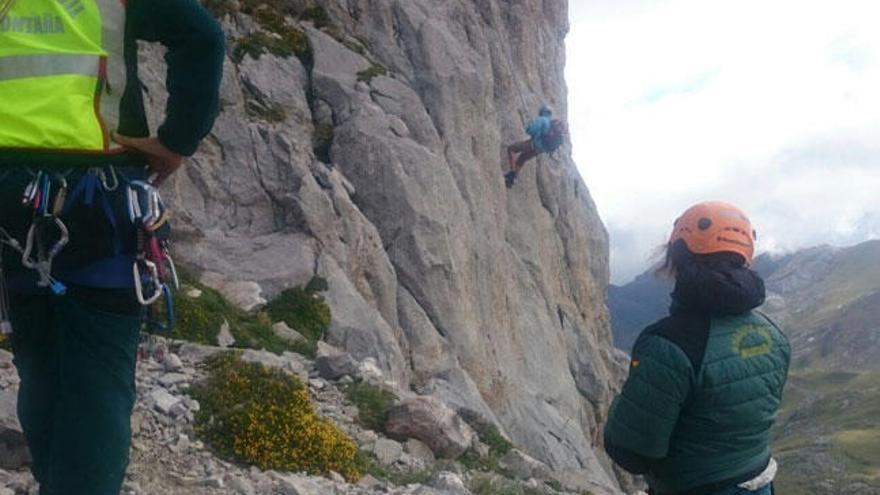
[828, 302]
[636, 305]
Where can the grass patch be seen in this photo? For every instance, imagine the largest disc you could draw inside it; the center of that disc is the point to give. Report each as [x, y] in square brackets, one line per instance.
[265, 418]
[498, 448]
[492, 485]
[303, 310]
[828, 420]
[317, 15]
[373, 403]
[367, 75]
[367, 464]
[272, 113]
[862, 447]
[199, 320]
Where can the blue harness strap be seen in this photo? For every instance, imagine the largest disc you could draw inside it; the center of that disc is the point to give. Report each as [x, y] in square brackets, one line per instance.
[87, 189]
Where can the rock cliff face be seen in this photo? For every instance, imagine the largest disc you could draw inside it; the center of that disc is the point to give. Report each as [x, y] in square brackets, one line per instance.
[377, 164]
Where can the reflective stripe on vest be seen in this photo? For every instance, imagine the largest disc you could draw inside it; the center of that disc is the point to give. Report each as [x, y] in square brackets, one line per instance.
[62, 74]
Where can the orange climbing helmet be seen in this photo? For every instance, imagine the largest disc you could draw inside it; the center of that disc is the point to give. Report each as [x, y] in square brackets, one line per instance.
[715, 227]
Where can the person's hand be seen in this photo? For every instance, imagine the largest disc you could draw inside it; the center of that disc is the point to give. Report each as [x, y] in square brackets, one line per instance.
[161, 160]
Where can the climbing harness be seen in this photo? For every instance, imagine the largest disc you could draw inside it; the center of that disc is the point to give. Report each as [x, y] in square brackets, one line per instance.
[49, 197]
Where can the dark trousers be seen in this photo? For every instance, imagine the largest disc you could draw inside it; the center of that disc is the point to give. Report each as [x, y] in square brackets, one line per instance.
[77, 369]
[525, 151]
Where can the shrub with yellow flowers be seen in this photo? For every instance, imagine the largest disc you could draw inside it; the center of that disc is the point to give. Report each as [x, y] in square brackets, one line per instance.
[265, 417]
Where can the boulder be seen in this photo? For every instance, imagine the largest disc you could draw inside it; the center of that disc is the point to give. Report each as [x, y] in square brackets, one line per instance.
[449, 483]
[521, 466]
[427, 419]
[224, 337]
[332, 363]
[286, 333]
[387, 451]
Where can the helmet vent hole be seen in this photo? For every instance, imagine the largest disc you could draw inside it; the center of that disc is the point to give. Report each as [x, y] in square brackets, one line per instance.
[704, 223]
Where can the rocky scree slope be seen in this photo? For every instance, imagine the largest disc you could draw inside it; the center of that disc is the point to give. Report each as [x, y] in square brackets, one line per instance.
[374, 160]
[169, 457]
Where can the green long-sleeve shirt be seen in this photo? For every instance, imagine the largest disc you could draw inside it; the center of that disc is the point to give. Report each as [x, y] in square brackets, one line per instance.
[195, 46]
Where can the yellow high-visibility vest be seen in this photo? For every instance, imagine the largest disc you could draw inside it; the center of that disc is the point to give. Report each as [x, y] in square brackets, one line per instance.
[62, 75]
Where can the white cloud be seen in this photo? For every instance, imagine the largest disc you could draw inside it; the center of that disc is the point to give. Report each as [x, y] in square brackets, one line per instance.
[771, 105]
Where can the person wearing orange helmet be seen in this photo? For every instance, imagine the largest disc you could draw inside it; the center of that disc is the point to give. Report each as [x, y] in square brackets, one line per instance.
[705, 383]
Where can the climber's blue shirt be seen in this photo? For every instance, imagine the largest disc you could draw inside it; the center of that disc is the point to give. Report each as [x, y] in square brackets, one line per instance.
[536, 129]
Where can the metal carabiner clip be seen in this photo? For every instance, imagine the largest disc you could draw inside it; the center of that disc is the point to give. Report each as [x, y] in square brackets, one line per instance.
[168, 323]
[143, 193]
[152, 275]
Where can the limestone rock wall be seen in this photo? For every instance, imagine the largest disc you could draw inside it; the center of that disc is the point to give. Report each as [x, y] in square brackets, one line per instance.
[488, 298]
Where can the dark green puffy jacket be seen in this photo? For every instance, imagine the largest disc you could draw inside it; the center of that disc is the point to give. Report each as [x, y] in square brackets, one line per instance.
[704, 387]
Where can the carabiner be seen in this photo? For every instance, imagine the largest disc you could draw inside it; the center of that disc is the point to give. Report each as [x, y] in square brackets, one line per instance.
[152, 275]
[151, 212]
[168, 324]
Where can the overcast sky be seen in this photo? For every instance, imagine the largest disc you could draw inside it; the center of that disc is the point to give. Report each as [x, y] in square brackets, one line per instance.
[771, 105]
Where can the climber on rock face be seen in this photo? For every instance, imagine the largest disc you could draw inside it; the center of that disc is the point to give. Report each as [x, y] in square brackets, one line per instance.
[82, 251]
[705, 383]
[545, 136]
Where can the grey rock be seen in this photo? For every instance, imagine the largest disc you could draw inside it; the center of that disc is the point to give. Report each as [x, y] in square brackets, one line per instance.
[369, 371]
[245, 294]
[295, 485]
[431, 421]
[170, 379]
[336, 477]
[224, 337]
[14, 452]
[214, 482]
[387, 451]
[8, 491]
[197, 353]
[419, 450]
[522, 467]
[366, 437]
[166, 403]
[332, 363]
[369, 481]
[283, 331]
[172, 362]
[240, 485]
[450, 483]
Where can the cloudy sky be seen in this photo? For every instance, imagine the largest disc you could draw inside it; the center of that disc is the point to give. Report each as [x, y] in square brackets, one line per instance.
[771, 105]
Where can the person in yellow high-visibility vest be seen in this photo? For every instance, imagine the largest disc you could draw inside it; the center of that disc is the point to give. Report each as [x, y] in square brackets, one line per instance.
[71, 119]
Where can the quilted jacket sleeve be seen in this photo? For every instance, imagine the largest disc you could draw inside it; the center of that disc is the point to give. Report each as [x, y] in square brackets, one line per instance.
[643, 417]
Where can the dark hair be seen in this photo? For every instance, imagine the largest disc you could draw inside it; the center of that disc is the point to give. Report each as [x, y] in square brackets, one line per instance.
[677, 255]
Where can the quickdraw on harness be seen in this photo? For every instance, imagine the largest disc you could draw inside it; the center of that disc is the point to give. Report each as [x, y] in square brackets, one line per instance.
[47, 234]
[153, 269]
